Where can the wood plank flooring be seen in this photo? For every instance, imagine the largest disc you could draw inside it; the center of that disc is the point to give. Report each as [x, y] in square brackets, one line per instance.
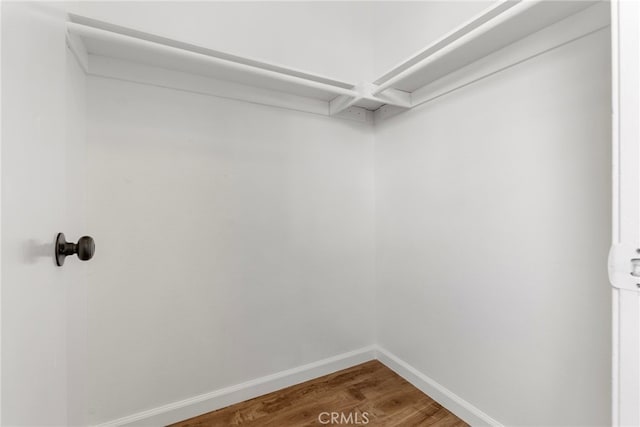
[367, 392]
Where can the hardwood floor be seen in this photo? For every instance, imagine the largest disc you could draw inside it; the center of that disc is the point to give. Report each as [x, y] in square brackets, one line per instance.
[367, 392]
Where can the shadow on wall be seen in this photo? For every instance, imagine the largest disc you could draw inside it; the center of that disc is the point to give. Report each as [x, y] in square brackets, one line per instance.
[33, 251]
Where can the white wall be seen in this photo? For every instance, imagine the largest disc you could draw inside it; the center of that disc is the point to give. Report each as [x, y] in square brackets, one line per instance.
[77, 283]
[42, 192]
[400, 29]
[493, 219]
[233, 241]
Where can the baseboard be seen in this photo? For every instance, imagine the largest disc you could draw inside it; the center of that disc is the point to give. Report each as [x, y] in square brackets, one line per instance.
[217, 399]
[197, 405]
[454, 403]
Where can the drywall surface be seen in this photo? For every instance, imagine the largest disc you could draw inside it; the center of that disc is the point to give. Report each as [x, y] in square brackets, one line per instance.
[233, 241]
[76, 221]
[400, 29]
[42, 192]
[493, 219]
[326, 38]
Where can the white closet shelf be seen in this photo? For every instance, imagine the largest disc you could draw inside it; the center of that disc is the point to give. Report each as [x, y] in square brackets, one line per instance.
[500, 25]
[507, 33]
[113, 51]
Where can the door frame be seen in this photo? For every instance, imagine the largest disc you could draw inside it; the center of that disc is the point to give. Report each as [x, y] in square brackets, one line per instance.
[624, 271]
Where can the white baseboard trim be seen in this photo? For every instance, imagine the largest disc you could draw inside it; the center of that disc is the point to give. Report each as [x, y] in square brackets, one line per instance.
[197, 405]
[454, 403]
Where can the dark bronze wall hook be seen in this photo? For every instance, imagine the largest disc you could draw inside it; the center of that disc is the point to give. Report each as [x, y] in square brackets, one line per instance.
[85, 248]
